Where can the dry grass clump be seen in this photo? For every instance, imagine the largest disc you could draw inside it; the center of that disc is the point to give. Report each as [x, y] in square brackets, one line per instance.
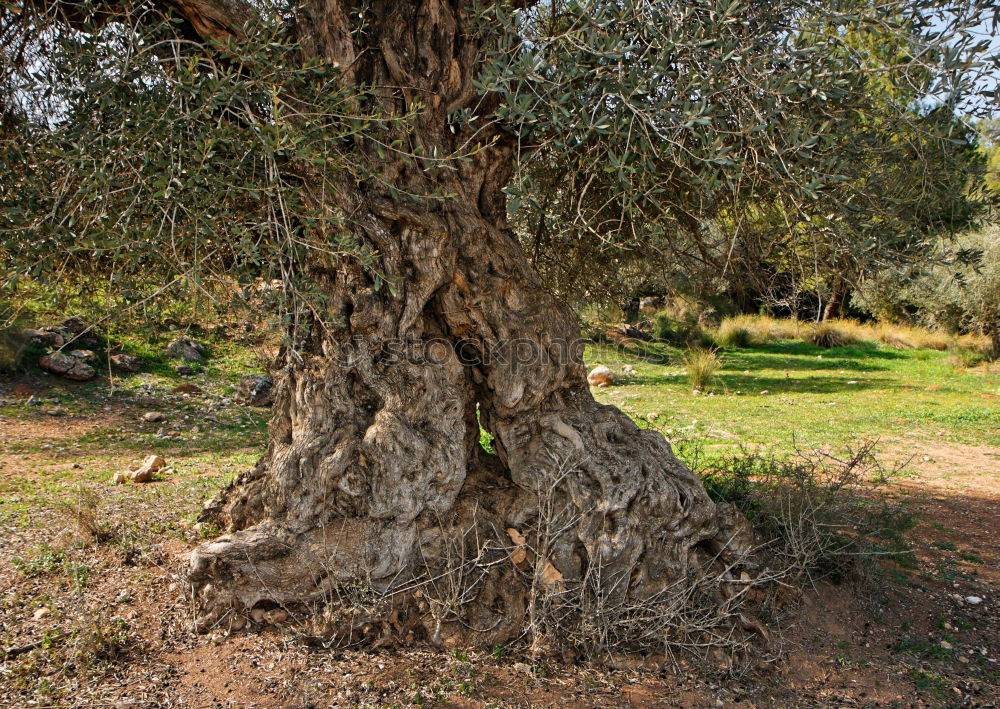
[842, 332]
[701, 365]
[732, 333]
[816, 516]
[910, 336]
[762, 329]
[831, 334]
[84, 516]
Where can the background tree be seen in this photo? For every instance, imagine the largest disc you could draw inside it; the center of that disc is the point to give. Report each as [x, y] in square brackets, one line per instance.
[904, 174]
[957, 289]
[365, 154]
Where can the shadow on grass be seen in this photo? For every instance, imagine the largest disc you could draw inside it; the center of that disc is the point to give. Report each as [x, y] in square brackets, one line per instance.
[748, 384]
[802, 355]
[728, 382]
[749, 359]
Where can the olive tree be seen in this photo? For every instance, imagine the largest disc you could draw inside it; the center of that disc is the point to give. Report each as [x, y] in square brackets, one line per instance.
[368, 154]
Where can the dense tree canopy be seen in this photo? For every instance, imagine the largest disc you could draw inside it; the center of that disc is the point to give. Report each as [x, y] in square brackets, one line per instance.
[715, 139]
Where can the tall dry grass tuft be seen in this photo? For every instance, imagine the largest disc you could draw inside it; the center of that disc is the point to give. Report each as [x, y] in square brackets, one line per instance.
[831, 334]
[732, 333]
[762, 329]
[701, 365]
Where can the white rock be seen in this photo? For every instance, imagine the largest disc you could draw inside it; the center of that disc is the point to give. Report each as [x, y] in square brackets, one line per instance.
[973, 600]
[600, 376]
[144, 473]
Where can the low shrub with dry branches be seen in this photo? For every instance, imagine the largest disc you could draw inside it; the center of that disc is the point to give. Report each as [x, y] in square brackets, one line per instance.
[816, 516]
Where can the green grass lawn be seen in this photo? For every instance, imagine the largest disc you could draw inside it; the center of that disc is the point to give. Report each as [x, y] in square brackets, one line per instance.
[210, 443]
[783, 395]
[792, 394]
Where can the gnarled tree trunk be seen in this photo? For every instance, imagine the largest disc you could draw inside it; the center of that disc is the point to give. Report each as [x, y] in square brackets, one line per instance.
[839, 293]
[374, 470]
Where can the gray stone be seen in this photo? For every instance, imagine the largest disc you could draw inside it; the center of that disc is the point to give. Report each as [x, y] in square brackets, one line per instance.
[76, 331]
[67, 366]
[46, 337]
[187, 349]
[126, 363]
[256, 390]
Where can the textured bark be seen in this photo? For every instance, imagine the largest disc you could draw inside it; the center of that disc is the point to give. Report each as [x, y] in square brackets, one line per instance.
[374, 469]
[838, 296]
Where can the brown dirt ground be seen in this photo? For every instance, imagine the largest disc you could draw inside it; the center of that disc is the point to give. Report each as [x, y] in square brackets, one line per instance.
[129, 643]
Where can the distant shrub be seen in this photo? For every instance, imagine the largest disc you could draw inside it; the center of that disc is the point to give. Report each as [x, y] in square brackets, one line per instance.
[701, 365]
[732, 333]
[957, 291]
[600, 313]
[680, 332]
[964, 357]
[663, 328]
[12, 340]
[11, 346]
